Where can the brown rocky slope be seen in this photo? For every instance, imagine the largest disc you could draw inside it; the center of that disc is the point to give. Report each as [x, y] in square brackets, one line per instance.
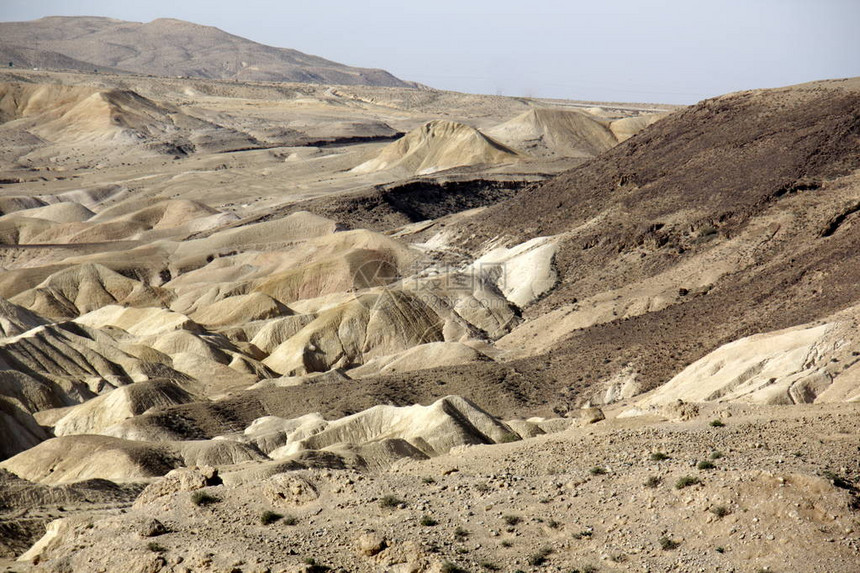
[736, 216]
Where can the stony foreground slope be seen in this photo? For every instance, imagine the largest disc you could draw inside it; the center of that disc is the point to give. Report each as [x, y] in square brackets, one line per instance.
[612, 496]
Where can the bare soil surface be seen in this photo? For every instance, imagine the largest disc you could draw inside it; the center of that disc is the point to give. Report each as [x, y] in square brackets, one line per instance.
[262, 326]
[604, 496]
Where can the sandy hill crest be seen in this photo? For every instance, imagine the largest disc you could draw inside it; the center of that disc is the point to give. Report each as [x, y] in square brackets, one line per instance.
[16, 319]
[80, 289]
[438, 145]
[56, 108]
[569, 133]
[97, 117]
[118, 405]
[376, 437]
[168, 47]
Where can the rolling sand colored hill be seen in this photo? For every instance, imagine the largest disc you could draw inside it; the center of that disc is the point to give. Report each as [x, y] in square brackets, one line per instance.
[71, 222]
[436, 146]
[379, 436]
[120, 404]
[16, 320]
[60, 112]
[625, 128]
[430, 355]
[567, 133]
[60, 213]
[82, 115]
[83, 288]
[70, 459]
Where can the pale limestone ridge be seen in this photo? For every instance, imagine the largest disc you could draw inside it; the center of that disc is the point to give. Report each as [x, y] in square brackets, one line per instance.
[120, 404]
[810, 363]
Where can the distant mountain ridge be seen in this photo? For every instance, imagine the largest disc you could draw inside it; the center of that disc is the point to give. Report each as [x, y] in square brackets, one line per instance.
[168, 47]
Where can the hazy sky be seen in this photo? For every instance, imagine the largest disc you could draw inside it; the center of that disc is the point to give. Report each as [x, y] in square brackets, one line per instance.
[673, 51]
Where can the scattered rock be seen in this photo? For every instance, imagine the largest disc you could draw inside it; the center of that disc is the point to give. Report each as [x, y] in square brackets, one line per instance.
[182, 479]
[371, 543]
[591, 415]
[153, 528]
[288, 489]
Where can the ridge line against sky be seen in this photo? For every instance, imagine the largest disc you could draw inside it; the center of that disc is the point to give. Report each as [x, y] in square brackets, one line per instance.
[668, 51]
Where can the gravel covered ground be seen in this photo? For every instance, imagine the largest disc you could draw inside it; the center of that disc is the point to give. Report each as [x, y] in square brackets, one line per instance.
[635, 494]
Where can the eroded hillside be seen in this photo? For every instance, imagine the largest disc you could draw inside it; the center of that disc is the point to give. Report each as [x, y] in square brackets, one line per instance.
[330, 297]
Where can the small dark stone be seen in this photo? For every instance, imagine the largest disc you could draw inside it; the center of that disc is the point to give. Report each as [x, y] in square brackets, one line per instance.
[153, 529]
